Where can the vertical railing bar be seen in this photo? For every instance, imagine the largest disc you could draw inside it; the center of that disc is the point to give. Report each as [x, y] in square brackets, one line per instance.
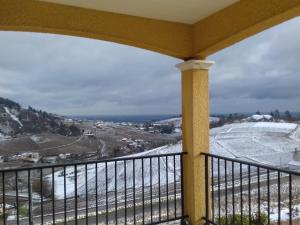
[65, 196]
[96, 187]
[3, 198]
[29, 197]
[151, 200]
[226, 193]
[206, 189]
[116, 194]
[159, 189]
[212, 190]
[106, 192]
[182, 186]
[17, 198]
[42, 196]
[290, 200]
[219, 192]
[76, 200]
[134, 206]
[232, 184]
[241, 192]
[279, 198]
[249, 192]
[167, 187]
[143, 190]
[268, 195]
[86, 197]
[53, 197]
[125, 189]
[258, 193]
[175, 191]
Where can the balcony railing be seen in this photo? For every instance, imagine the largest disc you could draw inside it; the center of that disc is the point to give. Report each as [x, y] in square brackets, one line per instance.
[126, 190]
[240, 192]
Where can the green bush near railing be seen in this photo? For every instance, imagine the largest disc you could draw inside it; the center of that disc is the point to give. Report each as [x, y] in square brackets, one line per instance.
[23, 211]
[5, 216]
[237, 219]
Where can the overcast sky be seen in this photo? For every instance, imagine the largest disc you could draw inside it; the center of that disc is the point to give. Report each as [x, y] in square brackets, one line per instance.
[77, 76]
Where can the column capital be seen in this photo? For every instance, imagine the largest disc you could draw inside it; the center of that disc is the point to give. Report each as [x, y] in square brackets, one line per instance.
[195, 64]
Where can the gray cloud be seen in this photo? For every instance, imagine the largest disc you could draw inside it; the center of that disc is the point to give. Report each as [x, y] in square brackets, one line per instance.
[262, 72]
[72, 76]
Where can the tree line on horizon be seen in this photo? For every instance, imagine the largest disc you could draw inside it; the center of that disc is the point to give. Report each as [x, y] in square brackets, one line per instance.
[277, 116]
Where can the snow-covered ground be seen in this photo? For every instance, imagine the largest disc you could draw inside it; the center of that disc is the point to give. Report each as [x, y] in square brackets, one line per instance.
[264, 142]
[3, 137]
[91, 169]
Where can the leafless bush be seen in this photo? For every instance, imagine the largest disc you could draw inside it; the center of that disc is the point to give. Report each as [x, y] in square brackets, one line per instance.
[44, 189]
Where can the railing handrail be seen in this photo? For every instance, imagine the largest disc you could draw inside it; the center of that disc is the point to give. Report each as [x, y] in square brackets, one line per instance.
[258, 165]
[107, 160]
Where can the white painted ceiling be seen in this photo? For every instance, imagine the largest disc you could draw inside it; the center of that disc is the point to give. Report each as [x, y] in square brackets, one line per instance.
[183, 11]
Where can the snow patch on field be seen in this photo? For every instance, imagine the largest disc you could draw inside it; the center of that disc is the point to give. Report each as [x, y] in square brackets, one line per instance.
[35, 138]
[272, 125]
[39, 139]
[2, 137]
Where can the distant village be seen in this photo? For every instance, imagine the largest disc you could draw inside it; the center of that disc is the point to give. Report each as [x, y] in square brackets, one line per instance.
[162, 127]
[34, 157]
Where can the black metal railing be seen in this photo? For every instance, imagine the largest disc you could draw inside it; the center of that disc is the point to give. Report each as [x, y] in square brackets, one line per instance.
[240, 192]
[126, 190]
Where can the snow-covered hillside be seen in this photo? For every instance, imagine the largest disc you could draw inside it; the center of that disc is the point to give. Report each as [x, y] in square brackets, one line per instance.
[91, 169]
[263, 142]
[15, 120]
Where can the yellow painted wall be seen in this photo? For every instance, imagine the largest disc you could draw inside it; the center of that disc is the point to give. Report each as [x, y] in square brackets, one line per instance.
[239, 21]
[169, 38]
[220, 30]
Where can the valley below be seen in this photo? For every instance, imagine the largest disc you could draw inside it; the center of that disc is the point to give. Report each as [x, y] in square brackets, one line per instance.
[44, 147]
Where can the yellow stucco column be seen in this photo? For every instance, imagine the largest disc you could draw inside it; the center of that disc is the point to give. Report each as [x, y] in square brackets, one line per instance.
[195, 135]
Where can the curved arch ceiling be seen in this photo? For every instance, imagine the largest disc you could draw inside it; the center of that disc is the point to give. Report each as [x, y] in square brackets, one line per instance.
[187, 11]
[194, 29]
